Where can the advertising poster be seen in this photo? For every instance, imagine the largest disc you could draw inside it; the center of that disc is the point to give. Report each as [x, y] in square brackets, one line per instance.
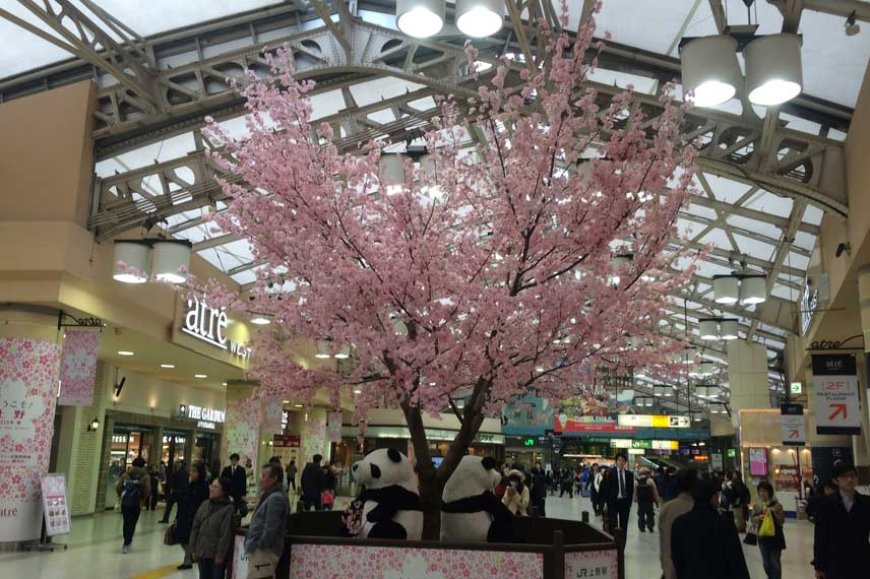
[29, 372]
[352, 562]
[241, 429]
[758, 462]
[837, 401]
[55, 505]
[272, 413]
[78, 369]
[333, 427]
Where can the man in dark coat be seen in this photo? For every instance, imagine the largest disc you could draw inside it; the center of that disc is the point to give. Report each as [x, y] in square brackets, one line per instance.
[618, 493]
[313, 484]
[842, 532]
[538, 492]
[179, 484]
[188, 504]
[238, 480]
[704, 542]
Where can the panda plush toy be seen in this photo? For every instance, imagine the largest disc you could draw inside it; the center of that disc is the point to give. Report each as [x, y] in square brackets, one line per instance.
[391, 508]
[470, 511]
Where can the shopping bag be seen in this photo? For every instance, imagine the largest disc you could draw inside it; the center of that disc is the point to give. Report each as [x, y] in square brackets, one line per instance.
[767, 528]
[169, 535]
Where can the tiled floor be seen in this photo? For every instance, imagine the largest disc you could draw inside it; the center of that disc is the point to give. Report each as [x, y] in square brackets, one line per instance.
[95, 550]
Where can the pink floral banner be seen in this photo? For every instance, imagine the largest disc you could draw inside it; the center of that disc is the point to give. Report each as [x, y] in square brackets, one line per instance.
[29, 372]
[333, 427]
[271, 409]
[351, 562]
[78, 370]
[241, 429]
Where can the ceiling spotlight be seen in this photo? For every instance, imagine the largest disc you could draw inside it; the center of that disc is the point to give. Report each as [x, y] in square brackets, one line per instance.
[420, 18]
[171, 260]
[125, 353]
[261, 319]
[773, 69]
[753, 289]
[711, 73]
[167, 366]
[132, 257]
[725, 289]
[479, 18]
[200, 376]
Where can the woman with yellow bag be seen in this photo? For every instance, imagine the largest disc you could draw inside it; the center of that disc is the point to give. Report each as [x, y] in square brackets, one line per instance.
[769, 517]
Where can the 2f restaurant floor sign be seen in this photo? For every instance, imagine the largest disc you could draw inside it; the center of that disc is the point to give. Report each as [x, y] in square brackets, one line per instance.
[837, 402]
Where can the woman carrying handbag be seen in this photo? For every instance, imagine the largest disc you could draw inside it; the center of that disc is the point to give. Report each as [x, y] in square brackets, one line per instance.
[769, 517]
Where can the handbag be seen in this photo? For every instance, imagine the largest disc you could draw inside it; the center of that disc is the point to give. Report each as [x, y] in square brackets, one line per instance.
[768, 527]
[169, 535]
[751, 538]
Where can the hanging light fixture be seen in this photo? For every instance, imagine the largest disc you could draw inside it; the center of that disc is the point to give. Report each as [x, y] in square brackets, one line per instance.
[728, 329]
[711, 72]
[420, 18]
[322, 351]
[725, 289]
[709, 329]
[392, 171]
[753, 289]
[132, 257]
[479, 18]
[343, 354]
[259, 319]
[170, 260]
[773, 69]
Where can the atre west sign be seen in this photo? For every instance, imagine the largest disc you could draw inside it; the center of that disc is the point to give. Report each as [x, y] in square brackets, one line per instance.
[837, 402]
[210, 325]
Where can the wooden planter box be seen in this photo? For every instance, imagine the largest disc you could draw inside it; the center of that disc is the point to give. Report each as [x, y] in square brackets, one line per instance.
[549, 548]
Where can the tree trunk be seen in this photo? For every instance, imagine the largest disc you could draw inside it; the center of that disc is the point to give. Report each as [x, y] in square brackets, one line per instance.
[430, 497]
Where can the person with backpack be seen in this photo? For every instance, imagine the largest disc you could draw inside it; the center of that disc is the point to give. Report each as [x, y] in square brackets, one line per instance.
[134, 490]
[646, 495]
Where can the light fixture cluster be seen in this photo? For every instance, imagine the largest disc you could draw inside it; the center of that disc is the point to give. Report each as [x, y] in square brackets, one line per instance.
[718, 328]
[425, 18]
[644, 401]
[166, 259]
[746, 288]
[703, 370]
[324, 351]
[711, 72]
[707, 391]
[664, 389]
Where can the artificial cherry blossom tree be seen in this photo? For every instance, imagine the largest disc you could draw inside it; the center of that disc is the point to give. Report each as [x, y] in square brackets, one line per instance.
[487, 270]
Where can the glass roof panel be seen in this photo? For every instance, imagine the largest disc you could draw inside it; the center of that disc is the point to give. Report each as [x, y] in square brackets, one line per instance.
[770, 203]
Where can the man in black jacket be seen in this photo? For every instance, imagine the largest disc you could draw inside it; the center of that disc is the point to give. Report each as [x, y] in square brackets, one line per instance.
[313, 484]
[238, 480]
[704, 542]
[538, 492]
[179, 484]
[618, 493]
[842, 532]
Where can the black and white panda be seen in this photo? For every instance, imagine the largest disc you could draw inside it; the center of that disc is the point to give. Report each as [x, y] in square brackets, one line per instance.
[392, 507]
[470, 511]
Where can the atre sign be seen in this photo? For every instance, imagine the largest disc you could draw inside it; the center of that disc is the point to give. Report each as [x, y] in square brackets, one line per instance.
[210, 325]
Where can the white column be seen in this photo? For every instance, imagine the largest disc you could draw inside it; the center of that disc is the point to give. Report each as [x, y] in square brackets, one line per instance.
[747, 376]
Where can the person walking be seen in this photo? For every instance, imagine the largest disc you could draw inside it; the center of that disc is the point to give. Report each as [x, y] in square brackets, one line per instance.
[154, 482]
[740, 501]
[292, 471]
[188, 504]
[670, 511]
[704, 542]
[771, 547]
[179, 480]
[618, 494]
[516, 497]
[538, 492]
[211, 535]
[566, 483]
[238, 482]
[134, 490]
[842, 530]
[313, 484]
[264, 542]
[595, 488]
[646, 496]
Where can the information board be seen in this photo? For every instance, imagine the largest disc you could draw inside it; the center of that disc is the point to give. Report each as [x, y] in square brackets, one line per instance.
[54, 504]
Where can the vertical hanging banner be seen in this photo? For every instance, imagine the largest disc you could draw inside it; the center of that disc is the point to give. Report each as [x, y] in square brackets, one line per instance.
[241, 430]
[333, 427]
[78, 369]
[29, 371]
[792, 422]
[837, 402]
[272, 410]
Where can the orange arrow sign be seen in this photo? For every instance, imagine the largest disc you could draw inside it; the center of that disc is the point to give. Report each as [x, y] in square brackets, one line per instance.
[839, 409]
[793, 433]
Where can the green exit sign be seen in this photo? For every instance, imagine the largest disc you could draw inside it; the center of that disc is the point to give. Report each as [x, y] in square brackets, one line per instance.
[528, 442]
[732, 453]
[797, 388]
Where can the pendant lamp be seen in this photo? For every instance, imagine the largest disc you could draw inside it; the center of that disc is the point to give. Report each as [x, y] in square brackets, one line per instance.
[479, 18]
[709, 329]
[725, 289]
[753, 290]
[132, 257]
[728, 329]
[171, 260]
[420, 18]
[711, 72]
[773, 69]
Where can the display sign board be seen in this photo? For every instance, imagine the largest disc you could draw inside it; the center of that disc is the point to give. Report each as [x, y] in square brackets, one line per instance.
[716, 461]
[54, 505]
[837, 402]
[758, 462]
[792, 420]
[211, 326]
[590, 564]
[653, 421]
[586, 425]
[286, 441]
[644, 444]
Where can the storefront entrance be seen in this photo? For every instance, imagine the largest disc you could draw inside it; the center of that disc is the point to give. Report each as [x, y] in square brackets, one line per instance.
[128, 443]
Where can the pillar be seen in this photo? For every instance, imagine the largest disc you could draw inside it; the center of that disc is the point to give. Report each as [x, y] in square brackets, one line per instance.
[313, 440]
[747, 376]
[862, 442]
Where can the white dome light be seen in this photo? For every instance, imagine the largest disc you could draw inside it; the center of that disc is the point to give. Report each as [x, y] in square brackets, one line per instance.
[711, 72]
[725, 289]
[171, 260]
[773, 69]
[420, 18]
[753, 290]
[479, 18]
[131, 261]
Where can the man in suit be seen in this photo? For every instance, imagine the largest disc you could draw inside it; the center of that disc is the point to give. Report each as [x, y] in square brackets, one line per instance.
[842, 529]
[618, 494]
[238, 480]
